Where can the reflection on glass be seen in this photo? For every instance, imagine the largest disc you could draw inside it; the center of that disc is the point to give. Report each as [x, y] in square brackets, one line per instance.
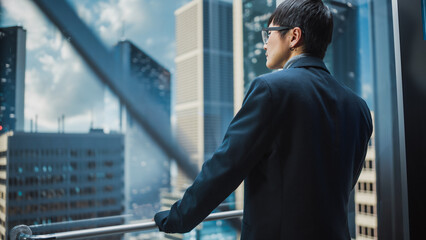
[63, 96]
[349, 58]
[147, 167]
[255, 17]
[81, 155]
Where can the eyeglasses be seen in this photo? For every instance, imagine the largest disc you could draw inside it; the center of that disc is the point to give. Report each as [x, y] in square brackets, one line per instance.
[267, 31]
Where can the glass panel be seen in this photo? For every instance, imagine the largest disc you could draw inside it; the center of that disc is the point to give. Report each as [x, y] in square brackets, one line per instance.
[79, 156]
[351, 59]
[66, 162]
[255, 17]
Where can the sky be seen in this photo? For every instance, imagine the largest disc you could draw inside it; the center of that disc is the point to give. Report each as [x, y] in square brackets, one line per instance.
[57, 81]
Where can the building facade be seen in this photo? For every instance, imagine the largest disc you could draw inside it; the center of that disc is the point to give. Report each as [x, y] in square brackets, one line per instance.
[366, 196]
[12, 78]
[147, 167]
[48, 178]
[204, 76]
[204, 88]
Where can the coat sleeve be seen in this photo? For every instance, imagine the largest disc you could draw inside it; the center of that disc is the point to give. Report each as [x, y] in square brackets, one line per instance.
[247, 139]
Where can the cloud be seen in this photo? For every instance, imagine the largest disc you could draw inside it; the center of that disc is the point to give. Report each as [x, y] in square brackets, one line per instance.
[367, 90]
[67, 52]
[31, 19]
[149, 41]
[56, 41]
[133, 11]
[111, 19]
[111, 112]
[57, 80]
[148, 24]
[170, 55]
[63, 86]
[84, 13]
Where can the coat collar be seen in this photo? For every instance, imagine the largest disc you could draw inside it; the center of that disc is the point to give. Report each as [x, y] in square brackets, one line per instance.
[309, 61]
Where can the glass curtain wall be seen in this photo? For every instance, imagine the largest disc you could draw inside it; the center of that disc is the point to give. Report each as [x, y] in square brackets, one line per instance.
[361, 57]
[85, 156]
[349, 59]
[81, 158]
[95, 82]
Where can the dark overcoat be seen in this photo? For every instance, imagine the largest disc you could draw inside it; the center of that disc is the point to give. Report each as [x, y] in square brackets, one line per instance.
[299, 143]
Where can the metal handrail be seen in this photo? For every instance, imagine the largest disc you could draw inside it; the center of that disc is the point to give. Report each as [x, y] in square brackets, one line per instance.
[23, 232]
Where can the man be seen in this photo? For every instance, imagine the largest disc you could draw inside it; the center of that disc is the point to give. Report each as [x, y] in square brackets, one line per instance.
[299, 141]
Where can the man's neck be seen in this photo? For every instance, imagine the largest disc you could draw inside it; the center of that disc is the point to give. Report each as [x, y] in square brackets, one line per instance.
[294, 59]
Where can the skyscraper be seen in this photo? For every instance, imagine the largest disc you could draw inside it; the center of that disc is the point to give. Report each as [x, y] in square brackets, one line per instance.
[204, 76]
[147, 166]
[366, 196]
[204, 84]
[47, 178]
[12, 78]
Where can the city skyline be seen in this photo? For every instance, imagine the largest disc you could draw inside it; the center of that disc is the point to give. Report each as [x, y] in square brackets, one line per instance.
[57, 177]
[58, 82]
[57, 77]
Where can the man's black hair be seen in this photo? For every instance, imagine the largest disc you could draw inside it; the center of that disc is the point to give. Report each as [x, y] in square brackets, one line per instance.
[313, 17]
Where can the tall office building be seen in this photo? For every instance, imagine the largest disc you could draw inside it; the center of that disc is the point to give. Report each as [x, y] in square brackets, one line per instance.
[12, 78]
[204, 77]
[366, 196]
[147, 166]
[204, 84]
[47, 178]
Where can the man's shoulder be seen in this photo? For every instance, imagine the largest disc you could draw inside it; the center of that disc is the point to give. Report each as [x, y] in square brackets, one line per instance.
[285, 76]
[282, 74]
[292, 79]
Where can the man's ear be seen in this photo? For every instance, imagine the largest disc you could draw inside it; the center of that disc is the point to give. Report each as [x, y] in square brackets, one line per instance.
[296, 37]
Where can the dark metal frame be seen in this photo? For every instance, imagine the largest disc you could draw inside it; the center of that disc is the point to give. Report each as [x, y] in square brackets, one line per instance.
[410, 178]
[389, 125]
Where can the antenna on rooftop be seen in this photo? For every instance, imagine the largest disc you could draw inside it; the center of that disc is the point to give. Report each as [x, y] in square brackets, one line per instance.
[59, 125]
[35, 127]
[63, 123]
[91, 119]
